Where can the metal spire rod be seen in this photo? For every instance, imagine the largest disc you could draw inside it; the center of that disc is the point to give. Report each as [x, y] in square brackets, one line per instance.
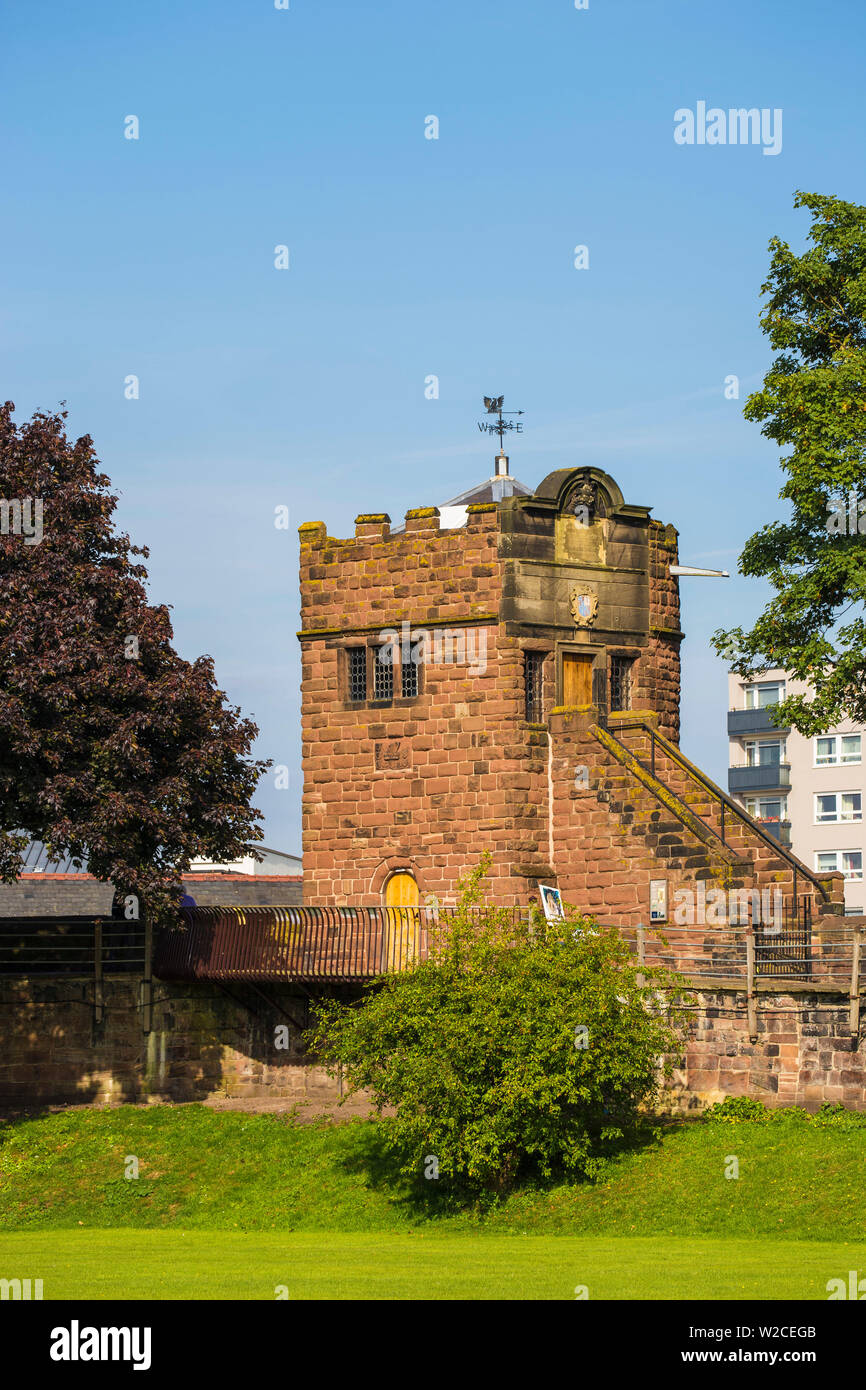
[493, 405]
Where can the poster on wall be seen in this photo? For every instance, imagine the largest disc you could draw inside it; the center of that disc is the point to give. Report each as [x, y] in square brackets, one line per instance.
[659, 900]
[551, 901]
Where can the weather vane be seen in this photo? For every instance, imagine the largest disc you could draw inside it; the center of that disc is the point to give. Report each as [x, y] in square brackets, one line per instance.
[493, 406]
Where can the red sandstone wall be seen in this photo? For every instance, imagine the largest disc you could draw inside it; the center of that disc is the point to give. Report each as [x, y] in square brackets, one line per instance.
[453, 782]
[430, 783]
[605, 855]
[659, 667]
[204, 1045]
[804, 1054]
[768, 868]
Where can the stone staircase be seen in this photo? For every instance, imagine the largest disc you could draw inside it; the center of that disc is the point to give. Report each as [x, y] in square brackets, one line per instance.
[673, 809]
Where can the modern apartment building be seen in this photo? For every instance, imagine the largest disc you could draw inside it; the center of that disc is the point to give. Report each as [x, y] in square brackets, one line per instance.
[809, 792]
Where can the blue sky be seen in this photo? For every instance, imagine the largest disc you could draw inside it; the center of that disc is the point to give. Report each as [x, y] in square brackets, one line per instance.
[408, 257]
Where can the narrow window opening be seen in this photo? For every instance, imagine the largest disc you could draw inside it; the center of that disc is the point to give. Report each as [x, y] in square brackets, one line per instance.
[383, 673]
[409, 674]
[620, 682]
[533, 675]
[357, 673]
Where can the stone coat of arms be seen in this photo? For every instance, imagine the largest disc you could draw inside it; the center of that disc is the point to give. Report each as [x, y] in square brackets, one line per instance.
[584, 606]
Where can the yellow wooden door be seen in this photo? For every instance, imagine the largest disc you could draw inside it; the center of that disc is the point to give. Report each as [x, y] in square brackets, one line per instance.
[576, 679]
[401, 890]
[404, 920]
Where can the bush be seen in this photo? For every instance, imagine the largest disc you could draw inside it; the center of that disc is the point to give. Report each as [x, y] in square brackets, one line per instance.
[515, 1049]
[737, 1110]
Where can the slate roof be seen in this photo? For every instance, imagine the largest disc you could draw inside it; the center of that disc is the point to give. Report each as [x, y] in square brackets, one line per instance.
[491, 490]
[35, 860]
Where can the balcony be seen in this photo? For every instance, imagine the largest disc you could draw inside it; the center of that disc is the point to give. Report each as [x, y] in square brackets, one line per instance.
[766, 777]
[753, 721]
[779, 829]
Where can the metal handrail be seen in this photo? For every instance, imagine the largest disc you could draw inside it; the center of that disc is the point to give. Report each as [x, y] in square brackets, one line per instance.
[724, 800]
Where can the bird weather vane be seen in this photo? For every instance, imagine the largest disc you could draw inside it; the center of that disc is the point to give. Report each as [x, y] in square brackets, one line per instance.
[493, 406]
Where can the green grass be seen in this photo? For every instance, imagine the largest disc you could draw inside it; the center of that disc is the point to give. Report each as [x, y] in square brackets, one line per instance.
[204, 1170]
[232, 1205]
[137, 1264]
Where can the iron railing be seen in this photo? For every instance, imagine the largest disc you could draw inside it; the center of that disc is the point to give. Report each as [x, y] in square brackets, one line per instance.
[741, 967]
[297, 943]
[71, 946]
[355, 944]
[782, 945]
[784, 949]
[360, 943]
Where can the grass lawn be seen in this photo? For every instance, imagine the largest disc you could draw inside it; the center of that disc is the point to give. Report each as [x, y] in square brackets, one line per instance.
[203, 1170]
[230, 1205]
[140, 1264]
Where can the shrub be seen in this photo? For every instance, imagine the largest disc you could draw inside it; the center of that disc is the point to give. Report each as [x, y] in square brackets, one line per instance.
[515, 1049]
[737, 1110]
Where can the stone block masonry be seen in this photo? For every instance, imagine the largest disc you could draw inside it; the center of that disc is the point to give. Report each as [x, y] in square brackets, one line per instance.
[79, 895]
[571, 591]
[622, 826]
[207, 1045]
[549, 739]
[804, 1053]
[542, 753]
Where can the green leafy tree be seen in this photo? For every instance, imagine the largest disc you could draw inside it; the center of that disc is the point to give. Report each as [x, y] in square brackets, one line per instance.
[813, 404]
[516, 1048]
[112, 747]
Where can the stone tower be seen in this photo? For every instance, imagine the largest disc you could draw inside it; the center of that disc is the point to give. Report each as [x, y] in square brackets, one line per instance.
[445, 663]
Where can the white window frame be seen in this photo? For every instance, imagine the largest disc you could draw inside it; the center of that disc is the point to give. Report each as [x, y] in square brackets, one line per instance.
[838, 818]
[763, 685]
[770, 820]
[837, 854]
[837, 760]
[756, 742]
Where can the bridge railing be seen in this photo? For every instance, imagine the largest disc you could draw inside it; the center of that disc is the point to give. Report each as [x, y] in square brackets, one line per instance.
[295, 943]
[353, 944]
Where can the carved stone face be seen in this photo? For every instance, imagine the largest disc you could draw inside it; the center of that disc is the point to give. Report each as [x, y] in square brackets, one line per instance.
[586, 501]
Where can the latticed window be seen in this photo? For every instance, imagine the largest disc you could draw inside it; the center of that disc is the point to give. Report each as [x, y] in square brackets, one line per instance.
[357, 672]
[533, 676]
[409, 675]
[383, 673]
[620, 682]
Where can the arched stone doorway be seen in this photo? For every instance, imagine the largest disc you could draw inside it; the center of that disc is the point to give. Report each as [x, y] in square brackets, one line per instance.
[404, 920]
[401, 890]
